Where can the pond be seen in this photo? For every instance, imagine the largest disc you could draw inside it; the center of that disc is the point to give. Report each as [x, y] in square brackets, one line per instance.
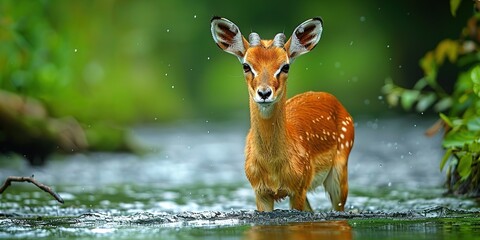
[190, 184]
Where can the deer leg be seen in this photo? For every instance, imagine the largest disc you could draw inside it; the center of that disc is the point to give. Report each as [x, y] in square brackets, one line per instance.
[264, 202]
[336, 184]
[300, 202]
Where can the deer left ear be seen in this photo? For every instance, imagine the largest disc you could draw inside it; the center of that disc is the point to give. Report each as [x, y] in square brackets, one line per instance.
[228, 37]
[304, 38]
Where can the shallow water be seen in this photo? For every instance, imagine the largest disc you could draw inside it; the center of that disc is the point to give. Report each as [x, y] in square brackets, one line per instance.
[191, 184]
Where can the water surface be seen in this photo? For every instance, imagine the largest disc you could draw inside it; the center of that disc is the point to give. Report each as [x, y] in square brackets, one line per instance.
[191, 184]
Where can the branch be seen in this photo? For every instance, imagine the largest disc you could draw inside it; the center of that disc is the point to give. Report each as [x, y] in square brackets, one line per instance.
[45, 188]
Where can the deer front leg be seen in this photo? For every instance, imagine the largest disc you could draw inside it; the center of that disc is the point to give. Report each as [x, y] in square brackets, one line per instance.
[300, 202]
[264, 202]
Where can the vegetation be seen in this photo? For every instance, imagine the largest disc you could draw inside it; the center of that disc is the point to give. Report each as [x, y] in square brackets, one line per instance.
[458, 108]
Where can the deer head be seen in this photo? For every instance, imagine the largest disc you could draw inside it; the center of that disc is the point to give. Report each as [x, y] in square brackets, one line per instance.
[266, 62]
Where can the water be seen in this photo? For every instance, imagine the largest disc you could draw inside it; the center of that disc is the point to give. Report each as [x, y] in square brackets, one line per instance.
[190, 184]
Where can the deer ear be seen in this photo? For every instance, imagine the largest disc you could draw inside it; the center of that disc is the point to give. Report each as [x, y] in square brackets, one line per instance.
[228, 37]
[304, 38]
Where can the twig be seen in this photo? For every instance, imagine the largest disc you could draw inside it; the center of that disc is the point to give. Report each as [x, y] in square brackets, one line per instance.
[45, 188]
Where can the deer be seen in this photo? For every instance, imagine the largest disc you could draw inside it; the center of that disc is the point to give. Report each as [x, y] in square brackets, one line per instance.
[295, 145]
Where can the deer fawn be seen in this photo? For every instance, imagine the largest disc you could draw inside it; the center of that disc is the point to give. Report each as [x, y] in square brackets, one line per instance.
[294, 145]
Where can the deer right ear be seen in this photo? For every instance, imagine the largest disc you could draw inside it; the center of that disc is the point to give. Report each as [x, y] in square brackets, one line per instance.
[228, 37]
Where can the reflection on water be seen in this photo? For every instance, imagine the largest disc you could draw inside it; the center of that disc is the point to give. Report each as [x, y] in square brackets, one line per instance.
[333, 230]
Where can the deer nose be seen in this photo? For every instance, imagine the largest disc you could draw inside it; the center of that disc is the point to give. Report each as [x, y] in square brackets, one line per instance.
[264, 93]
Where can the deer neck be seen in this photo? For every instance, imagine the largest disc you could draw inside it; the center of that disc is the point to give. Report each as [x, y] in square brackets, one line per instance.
[269, 133]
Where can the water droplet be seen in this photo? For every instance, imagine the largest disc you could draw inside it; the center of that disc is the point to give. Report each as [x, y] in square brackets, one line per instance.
[168, 30]
[380, 97]
[388, 45]
[399, 66]
[208, 132]
[208, 58]
[173, 86]
[188, 147]
[363, 19]
[166, 74]
[206, 121]
[366, 102]
[351, 43]
[155, 119]
[75, 50]
[389, 184]
[401, 156]
[337, 64]
[306, 68]
[194, 16]
[380, 165]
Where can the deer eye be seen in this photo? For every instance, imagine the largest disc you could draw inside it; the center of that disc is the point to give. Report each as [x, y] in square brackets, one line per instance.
[246, 68]
[285, 68]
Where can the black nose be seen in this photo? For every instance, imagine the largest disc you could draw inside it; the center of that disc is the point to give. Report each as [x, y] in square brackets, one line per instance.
[264, 93]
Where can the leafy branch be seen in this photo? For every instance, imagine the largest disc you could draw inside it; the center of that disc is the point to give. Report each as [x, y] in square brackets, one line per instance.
[459, 110]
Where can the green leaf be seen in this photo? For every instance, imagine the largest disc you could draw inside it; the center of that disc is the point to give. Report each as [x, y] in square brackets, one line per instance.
[446, 119]
[464, 167]
[425, 102]
[421, 84]
[454, 6]
[446, 156]
[429, 67]
[459, 139]
[474, 147]
[474, 124]
[443, 104]
[475, 76]
[447, 48]
[409, 97]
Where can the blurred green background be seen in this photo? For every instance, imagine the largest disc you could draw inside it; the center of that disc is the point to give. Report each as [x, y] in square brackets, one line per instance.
[130, 62]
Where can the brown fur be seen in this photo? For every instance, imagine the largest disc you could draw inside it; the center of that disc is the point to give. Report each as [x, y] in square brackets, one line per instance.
[301, 139]
[294, 145]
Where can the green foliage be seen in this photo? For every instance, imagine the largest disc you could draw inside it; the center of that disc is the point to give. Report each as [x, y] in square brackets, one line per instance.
[459, 110]
[79, 65]
[33, 59]
[454, 4]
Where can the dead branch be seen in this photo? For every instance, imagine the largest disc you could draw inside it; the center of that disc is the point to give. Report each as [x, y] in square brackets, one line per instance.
[44, 187]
